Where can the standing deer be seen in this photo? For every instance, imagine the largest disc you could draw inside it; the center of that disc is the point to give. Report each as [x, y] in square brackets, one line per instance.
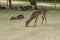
[35, 14]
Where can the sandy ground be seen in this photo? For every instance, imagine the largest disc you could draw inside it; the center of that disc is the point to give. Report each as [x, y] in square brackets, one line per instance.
[16, 30]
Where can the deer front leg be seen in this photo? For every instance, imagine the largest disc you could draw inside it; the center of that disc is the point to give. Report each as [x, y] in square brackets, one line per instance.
[35, 23]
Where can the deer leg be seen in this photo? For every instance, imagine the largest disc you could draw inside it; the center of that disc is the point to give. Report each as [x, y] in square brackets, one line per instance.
[35, 23]
[42, 20]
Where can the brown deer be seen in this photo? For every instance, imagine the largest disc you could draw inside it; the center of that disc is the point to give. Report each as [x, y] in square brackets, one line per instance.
[35, 14]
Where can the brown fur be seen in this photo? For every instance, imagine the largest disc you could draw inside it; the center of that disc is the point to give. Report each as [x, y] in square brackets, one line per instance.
[35, 14]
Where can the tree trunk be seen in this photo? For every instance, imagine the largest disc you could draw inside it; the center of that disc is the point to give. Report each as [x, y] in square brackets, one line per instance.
[0, 5]
[31, 2]
[7, 2]
[55, 3]
[10, 5]
[34, 3]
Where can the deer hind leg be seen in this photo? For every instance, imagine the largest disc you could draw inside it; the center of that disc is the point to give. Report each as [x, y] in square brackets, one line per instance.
[42, 20]
[44, 15]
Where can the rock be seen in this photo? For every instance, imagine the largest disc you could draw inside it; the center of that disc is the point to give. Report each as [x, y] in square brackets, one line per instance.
[19, 17]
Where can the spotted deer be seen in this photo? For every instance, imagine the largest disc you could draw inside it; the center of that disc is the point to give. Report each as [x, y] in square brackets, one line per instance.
[35, 14]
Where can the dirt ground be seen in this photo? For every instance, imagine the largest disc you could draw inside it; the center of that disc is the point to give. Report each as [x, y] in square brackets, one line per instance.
[16, 30]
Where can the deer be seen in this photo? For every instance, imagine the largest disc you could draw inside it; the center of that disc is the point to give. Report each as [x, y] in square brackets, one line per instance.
[35, 14]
